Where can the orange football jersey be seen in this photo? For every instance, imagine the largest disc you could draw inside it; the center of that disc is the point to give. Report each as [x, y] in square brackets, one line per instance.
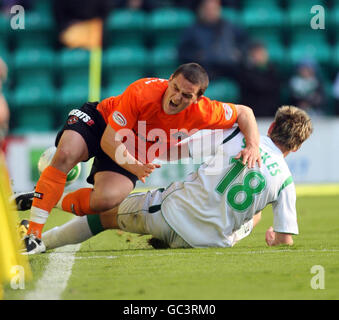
[137, 115]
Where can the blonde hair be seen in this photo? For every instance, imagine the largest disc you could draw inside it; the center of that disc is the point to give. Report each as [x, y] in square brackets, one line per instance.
[292, 127]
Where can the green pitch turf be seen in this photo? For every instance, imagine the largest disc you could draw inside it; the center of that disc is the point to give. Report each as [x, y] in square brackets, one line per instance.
[117, 265]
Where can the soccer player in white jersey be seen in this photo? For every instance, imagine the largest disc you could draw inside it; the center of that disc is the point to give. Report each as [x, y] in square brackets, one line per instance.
[220, 203]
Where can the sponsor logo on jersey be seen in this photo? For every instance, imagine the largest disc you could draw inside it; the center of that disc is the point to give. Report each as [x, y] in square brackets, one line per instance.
[77, 114]
[119, 118]
[38, 195]
[228, 111]
[72, 120]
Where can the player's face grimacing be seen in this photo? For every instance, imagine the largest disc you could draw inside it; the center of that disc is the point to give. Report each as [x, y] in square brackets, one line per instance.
[179, 95]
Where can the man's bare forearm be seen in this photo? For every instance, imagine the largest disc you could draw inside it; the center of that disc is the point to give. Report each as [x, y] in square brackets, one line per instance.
[248, 125]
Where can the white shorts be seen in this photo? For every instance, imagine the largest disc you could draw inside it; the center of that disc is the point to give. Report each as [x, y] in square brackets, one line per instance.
[140, 213]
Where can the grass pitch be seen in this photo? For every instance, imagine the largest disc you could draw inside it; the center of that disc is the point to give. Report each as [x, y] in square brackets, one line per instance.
[122, 266]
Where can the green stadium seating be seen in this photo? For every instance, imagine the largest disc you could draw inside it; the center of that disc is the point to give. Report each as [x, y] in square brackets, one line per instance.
[74, 66]
[164, 60]
[312, 44]
[165, 25]
[334, 20]
[34, 121]
[125, 27]
[306, 4]
[43, 6]
[39, 31]
[4, 27]
[33, 65]
[255, 3]
[306, 35]
[72, 96]
[33, 107]
[114, 90]
[224, 90]
[310, 50]
[33, 59]
[262, 16]
[232, 15]
[335, 57]
[124, 64]
[33, 95]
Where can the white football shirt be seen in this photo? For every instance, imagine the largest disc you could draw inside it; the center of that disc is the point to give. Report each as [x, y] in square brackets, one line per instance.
[223, 195]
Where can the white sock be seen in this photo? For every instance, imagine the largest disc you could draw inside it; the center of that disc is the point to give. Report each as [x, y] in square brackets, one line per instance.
[75, 231]
[38, 215]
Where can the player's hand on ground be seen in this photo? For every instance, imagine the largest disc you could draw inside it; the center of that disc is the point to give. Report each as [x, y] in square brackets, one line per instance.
[270, 236]
[250, 155]
[144, 170]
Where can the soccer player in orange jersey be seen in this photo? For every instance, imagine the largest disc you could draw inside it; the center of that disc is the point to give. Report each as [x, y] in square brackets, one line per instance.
[121, 133]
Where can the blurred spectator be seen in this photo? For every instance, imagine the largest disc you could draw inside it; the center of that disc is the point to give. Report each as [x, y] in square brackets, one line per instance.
[146, 5]
[259, 82]
[336, 94]
[194, 4]
[213, 42]
[4, 111]
[306, 90]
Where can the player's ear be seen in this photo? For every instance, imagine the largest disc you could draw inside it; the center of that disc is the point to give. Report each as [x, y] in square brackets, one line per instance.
[270, 129]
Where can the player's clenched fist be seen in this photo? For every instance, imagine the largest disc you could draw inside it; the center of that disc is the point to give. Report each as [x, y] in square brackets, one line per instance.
[142, 171]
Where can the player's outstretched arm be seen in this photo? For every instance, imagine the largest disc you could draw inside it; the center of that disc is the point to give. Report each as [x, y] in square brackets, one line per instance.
[249, 128]
[276, 238]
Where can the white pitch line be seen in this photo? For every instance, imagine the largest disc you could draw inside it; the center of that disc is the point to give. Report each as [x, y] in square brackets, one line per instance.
[218, 253]
[57, 272]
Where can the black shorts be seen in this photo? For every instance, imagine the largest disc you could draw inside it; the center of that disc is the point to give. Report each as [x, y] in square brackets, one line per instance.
[90, 124]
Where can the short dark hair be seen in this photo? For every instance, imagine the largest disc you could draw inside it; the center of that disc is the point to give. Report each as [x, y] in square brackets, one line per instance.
[194, 73]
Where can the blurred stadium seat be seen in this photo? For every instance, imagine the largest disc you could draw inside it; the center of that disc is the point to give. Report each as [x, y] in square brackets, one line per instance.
[73, 66]
[164, 60]
[33, 106]
[224, 90]
[125, 27]
[310, 45]
[262, 14]
[71, 96]
[39, 31]
[4, 27]
[334, 20]
[166, 24]
[114, 90]
[335, 57]
[231, 14]
[124, 64]
[34, 63]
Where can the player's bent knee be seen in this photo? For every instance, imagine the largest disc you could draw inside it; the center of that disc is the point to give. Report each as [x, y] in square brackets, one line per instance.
[64, 157]
[103, 202]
